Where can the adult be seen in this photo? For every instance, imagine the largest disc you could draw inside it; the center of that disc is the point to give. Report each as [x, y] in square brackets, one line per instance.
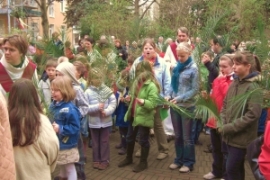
[120, 50]
[7, 165]
[170, 54]
[14, 64]
[34, 141]
[213, 66]
[160, 43]
[162, 74]
[185, 86]
[92, 54]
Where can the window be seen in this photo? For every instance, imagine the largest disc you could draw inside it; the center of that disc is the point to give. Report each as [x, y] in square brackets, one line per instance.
[51, 10]
[51, 30]
[63, 6]
[33, 3]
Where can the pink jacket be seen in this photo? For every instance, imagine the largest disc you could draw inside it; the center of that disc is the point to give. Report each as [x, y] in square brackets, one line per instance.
[264, 158]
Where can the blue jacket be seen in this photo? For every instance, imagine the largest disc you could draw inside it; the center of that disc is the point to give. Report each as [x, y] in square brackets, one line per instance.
[162, 74]
[121, 111]
[188, 86]
[67, 116]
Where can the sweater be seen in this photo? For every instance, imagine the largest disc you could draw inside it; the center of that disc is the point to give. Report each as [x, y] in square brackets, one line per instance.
[7, 165]
[38, 160]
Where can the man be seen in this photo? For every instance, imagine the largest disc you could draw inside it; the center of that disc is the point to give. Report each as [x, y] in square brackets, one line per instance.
[170, 55]
[160, 43]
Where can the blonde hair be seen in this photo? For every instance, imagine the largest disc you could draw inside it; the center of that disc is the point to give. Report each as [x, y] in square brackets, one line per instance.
[64, 85]
[184, 46]
[62, 59]
[228, 58]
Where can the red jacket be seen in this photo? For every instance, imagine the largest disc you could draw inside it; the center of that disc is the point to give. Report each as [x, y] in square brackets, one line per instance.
[264, 157]
[219, 90]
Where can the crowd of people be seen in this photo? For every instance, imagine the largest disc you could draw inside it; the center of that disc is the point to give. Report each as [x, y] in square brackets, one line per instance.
[49, 117]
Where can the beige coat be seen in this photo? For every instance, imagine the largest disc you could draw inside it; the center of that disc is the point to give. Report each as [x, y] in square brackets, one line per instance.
[38, 161]
[7, 166]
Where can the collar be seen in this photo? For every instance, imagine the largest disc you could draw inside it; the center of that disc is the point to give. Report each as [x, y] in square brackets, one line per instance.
[156, 60]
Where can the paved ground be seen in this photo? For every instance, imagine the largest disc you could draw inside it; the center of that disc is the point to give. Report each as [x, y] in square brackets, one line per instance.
[157, 170]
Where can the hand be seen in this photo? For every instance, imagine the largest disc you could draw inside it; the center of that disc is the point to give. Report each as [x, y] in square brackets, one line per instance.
[219, 130]
[173, 101]
[120, 54]
[204, 94]
[140, 101]
[101, 106]
[205, 59]
[55, 127]
[127, 98]
[122, 99]
[103, 114]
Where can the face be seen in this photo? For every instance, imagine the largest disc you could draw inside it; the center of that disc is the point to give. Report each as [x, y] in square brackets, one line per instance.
[149, 51]
[56, 94]
[225, 67]
[127, 43]
[96, 81]
[241, 70]
[12, 54]
[182, 55]
[215, 48]
[87, 45]
[182, 37]
[58, 74]
[117, 44]
[160, 39]
[51, 72]
[77, 74]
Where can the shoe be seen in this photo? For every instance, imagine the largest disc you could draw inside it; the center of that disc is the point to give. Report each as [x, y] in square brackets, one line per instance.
[122, 151]
[209, 175]
[222, 179]
[184, 169]
[59, 178]
[96, 165]
[128, 160]
[174, 166]
[138, 153]
[118, 146]
[170, 138]
[207, 132]
[103, 166]
[152, 133]
[143, 160]
[162, 156]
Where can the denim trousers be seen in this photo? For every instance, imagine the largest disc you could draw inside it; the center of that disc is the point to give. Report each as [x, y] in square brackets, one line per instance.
[184, 140]
[197, 129]
[123, 134]
[100, 144]
[219, 153]
[143, 133]
[235, 163]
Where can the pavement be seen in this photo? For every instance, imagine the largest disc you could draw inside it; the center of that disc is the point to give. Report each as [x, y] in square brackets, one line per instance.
[157, 169]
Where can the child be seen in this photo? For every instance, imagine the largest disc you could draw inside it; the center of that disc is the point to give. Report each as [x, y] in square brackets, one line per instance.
[219, 89]
[66, 124]
[44, 86]
[79, 73]
[145, 92]
[102, 104]
[240, 120]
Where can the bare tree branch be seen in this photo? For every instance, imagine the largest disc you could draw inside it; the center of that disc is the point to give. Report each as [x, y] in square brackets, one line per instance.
[147, 8]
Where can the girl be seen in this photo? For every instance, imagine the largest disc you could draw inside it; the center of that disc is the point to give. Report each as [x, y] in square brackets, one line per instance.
[102, 104]
[185, 86]
[80, 70]
[145, 92]
[34, 140]
[219, 89]
[66, 124]
[240, 120]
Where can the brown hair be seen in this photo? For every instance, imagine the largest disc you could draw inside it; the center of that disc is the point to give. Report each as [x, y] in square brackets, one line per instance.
[19, 42]
[51, 63]
[64, 85]
[80, 67]
[208, 53]
[246, 57]
[227, 57]
[150, 41]
[24, 112]
[183, 30]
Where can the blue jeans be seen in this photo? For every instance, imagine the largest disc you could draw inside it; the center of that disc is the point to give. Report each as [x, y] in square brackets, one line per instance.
[235, 163]
[197, 129]
[143, 133]
[184, 140]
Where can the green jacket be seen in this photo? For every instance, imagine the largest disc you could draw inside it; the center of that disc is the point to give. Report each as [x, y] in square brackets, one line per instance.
[144, 114]
[240, 120]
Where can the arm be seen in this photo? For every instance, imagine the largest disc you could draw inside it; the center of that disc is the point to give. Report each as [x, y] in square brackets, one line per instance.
[81, 101]
[72, 123]
[151, 101]
[166, 80]
[112, 105]
[212, 68]
[91, 107]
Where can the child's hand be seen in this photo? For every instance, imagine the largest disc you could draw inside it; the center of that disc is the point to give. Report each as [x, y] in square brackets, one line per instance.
[101, 106]
[204, 94]
[55, 127]
[103, 114]
[127, 98]
[122, 99]
[173, 101]
[140, 101]
[205, 59]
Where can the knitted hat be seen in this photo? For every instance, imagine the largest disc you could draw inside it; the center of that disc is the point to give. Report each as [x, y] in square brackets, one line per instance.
[68, 69]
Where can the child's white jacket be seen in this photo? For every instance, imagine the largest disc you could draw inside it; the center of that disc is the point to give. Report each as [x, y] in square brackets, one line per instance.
[95, 119]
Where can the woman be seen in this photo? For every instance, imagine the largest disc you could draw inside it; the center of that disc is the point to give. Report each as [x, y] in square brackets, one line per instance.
[14, 64]
[162, 74]
[92, 54]
[34, 140]
[185, 85]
